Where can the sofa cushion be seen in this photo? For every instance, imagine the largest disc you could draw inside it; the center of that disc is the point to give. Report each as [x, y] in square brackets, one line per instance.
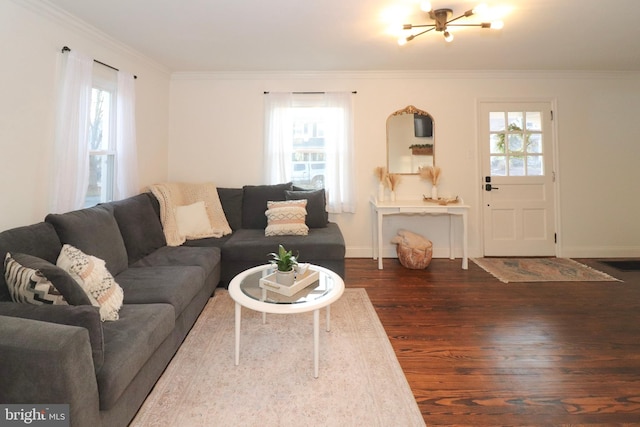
[95, 232]
[252, 245]
[68, 287]
[231, 200]
[84, 316]
[175, 256]
[317, 216]
[93, 277]
[128, 344]
[28, 285]
[254, 203]
[162, 284]
[139, 224]
[38, 240]
[286, 218]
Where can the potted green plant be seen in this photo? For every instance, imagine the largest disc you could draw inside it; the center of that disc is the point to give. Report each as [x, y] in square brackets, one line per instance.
[285, 262]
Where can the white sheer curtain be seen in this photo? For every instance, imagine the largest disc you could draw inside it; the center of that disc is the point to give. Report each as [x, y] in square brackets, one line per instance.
[339, 180]
[334, 110]
[278, 137]
[71, 149]
[126, 149]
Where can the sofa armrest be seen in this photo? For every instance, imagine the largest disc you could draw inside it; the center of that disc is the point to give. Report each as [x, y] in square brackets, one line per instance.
[44, 362]
[85, 316]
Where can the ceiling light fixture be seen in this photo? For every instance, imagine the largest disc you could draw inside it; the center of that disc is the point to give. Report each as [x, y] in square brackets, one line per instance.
[442, 22]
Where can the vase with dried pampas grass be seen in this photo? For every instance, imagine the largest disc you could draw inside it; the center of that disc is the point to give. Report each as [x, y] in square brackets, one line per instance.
[432, 173]
[393, 180]
[381, 174]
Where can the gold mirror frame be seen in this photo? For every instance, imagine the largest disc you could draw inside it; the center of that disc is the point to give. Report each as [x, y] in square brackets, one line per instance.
[401, 135]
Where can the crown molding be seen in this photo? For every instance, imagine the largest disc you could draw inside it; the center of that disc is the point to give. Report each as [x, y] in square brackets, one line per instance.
[407, 74]
[63, 18]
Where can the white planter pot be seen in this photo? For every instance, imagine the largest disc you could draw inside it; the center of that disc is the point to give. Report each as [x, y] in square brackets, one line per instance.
[286, 278]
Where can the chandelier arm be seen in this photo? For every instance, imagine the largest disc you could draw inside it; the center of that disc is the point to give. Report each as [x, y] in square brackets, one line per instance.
[455, 19]
[425, 31]
[467, 25]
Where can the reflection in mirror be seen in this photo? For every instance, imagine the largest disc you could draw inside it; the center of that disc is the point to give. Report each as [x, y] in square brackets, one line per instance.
[410, 141]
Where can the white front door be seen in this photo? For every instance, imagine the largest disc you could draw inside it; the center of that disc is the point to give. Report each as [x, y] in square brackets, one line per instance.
[516, 145]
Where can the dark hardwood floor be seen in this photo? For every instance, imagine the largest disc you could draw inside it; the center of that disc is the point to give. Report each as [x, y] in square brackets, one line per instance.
[477, 351]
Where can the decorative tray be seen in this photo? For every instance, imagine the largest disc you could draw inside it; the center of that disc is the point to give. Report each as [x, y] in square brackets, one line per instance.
[442, 200]
[302, 281]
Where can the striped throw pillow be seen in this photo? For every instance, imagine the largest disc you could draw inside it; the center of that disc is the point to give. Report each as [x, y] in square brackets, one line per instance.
[286, 218]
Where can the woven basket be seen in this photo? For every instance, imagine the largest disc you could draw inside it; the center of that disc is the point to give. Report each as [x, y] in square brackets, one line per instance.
[415, 259]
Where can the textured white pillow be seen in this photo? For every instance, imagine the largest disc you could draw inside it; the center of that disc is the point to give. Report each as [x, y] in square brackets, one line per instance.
[286, 218]
[193, 221]
[94, 278]
[27, 285]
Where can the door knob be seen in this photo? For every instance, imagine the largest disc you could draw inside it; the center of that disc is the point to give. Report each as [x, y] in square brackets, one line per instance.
[489, 187]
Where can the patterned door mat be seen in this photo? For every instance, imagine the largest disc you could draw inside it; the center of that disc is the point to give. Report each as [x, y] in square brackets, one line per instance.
[541, 270]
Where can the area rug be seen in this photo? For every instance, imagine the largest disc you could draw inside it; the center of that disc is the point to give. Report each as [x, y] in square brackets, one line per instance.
[360, 381]
[541, 270]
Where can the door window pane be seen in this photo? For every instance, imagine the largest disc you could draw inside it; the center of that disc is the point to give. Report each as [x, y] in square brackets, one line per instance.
[535, 166]
[496, 121]
[498, 165]
[515, 143]
[535, 144]
[516, 166]
[515, 119]
[534, 121]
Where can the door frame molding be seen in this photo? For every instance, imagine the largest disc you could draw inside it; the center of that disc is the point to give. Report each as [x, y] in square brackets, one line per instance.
[553, 102]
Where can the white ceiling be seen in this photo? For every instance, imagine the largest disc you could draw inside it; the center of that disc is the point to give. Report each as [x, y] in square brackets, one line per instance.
[351, 35]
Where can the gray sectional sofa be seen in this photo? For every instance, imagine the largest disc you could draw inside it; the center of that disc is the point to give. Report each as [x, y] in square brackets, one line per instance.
[104, 370]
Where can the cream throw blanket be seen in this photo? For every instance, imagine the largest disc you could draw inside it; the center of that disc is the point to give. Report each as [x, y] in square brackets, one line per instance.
[174, 194]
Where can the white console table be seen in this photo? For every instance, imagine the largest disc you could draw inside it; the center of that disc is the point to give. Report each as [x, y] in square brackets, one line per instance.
[419, 207]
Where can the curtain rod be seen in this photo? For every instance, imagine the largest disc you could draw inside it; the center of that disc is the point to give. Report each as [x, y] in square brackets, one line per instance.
[67, 49]
[309, 93]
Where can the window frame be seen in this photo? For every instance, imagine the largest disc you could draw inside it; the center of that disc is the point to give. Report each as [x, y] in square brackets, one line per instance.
[104, 81]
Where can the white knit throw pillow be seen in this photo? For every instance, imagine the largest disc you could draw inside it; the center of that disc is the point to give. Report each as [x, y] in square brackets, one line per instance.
[192, 221]
[94, 278]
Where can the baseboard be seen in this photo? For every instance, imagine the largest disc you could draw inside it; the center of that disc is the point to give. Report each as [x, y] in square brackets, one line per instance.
[601, 252]
[389, 251]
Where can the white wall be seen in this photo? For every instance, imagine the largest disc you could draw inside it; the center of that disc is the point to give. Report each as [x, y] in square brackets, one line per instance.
[197, 127]
[216, 134]
[31, 37]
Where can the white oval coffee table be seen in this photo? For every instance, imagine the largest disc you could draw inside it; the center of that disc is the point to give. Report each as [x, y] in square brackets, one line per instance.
[245, 290]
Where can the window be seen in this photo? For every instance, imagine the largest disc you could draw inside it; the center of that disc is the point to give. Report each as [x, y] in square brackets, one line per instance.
[102, 145]
[308, 141]
[516, 143]
[95, 138]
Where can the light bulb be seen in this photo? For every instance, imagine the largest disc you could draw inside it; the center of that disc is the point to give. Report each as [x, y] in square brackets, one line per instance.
[480, 9]
[497, 25]
[404, 40]
[448, 37]
[425, 6]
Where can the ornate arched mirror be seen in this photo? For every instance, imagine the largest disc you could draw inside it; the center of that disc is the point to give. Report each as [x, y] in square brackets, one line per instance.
[410, 141]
